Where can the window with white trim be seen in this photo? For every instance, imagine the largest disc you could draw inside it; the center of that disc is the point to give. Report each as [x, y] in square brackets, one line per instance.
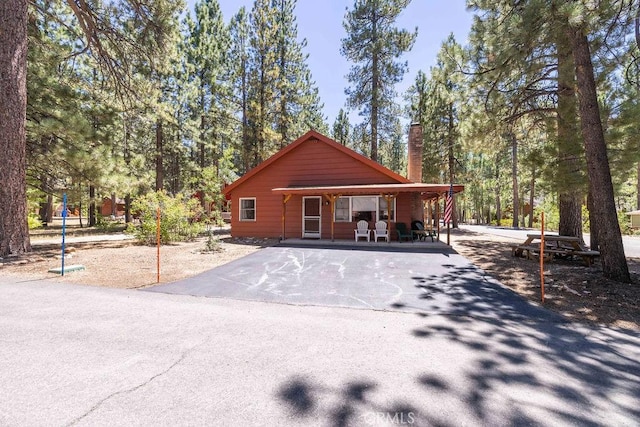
[247, 209]
[383, 211]
[368, 208]
[343, 209]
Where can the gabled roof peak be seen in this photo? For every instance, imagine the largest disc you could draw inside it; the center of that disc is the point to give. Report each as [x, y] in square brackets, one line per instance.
[313, 135]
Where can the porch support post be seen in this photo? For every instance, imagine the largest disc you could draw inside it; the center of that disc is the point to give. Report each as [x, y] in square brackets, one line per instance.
[430, 214]
[285, 199]
[332, 203]
[389, 198]
[438, 215]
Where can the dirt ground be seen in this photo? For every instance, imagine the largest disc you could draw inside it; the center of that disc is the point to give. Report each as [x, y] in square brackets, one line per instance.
[578, 292]
[129, 265]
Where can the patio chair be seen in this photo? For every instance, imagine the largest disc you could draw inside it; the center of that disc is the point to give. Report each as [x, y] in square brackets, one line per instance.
[380, 231]
[362, 230]
[403, 233]
[418, 230]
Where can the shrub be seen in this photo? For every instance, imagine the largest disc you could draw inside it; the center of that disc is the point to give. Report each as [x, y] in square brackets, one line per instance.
[551, 216]
[506, 222]
[625, 223]
[108, 225]
[179, 218]
[212, 244]
[34, 222]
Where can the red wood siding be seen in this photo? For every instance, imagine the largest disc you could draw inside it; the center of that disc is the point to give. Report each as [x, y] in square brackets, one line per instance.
[105, 209]
[312, 163]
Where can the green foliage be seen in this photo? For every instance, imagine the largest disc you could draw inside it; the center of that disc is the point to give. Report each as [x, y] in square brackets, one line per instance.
[274, 98]
[585, 219]
[341, 130]
[437, 103]
[625, 223]
[209, 184]
[213, 243]
[34, 222]
[551, 214]
[506, 222]
[179, 218]
[373, 44]
[108, 225]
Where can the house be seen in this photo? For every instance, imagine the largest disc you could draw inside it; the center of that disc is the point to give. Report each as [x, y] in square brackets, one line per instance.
[108, 207]
[318, 188]
[635, 218]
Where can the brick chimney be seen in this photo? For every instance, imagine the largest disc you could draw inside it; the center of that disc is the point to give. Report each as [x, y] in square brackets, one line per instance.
[414, 158]
[414, 169]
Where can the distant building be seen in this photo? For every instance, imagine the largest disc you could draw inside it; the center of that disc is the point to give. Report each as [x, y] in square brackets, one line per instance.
[107, 207]
[635, 218]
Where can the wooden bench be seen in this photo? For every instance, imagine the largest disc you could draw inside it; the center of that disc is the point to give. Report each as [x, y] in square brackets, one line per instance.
[523, 250]
[532, 251]
[587, 256]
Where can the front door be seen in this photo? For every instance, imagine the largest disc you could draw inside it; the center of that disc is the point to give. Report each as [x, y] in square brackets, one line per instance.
[311, 216]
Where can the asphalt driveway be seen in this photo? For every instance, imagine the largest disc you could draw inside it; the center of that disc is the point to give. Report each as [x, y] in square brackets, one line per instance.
[451, 348]
[427, 279]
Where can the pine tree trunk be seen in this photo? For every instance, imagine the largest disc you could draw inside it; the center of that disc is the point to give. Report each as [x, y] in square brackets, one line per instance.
[570, 223]
[261, 125]
[159, 156]
[497, 190]
[521, 209]
[614, 263]
[569, 179]
[638, 188]
[14, 230]
[114, 205]
[127, 208]
[374, 113]
[80, 214]
[452, 162]
[514, 179]
[201, 145]
[246, 144]
[532, 188]
[283, 126]
[49, 209]
[375, 75]
[92, 206]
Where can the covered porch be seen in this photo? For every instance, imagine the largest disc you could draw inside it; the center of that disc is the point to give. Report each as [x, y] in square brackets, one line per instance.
[305, 208]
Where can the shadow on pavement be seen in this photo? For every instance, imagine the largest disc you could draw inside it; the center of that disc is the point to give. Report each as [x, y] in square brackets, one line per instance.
[524, 365]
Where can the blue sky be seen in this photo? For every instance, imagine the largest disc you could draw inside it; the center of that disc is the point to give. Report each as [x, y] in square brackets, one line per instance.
[320, 22]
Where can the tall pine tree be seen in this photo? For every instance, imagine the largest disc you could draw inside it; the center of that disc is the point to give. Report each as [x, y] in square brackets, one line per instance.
[373, 44]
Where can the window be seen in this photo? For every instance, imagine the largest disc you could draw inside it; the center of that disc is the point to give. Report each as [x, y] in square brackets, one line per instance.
[248, 209]
[383, 211]
[363, 208]
[342, 210]
[368, 208]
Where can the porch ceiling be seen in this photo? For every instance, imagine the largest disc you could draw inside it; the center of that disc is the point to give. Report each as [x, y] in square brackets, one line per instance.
[427, 190]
